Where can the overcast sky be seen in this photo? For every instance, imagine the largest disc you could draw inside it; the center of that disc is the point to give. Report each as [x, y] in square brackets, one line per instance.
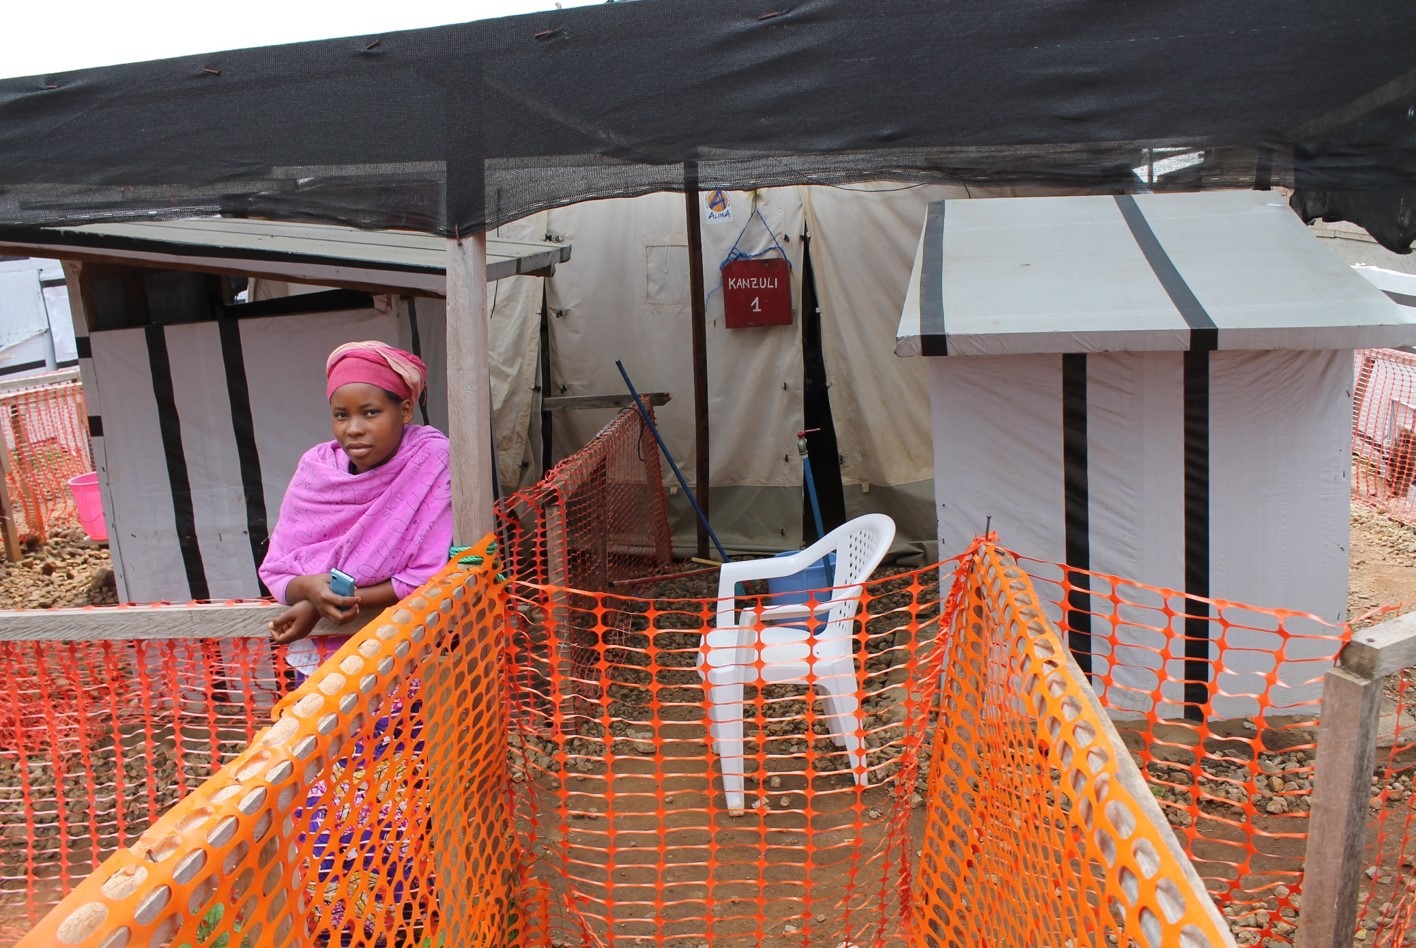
[45, 37]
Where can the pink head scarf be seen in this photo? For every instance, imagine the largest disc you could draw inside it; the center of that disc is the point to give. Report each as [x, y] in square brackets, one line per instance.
[376, 363]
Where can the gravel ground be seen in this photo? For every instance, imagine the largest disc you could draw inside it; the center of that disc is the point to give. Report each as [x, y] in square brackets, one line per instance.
[1383, 558]
[70, 570]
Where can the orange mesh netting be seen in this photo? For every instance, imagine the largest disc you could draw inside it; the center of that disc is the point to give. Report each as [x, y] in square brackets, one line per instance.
[386, 807]
[1384, 432]
[1387, 907]
[597, 516]
[46, 432]
[1040, 831]
[98, 739]
[620, 807]
[321, 831]
[1223, 727]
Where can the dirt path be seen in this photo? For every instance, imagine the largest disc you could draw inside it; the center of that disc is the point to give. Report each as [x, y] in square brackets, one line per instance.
[1383, 562]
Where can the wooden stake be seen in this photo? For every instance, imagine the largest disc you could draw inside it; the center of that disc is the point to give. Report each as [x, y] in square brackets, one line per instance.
[469, 390]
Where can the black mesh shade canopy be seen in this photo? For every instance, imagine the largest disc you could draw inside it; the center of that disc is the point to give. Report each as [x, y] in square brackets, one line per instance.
[457, 129]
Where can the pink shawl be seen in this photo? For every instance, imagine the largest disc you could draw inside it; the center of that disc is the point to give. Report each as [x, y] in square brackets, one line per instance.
[392, 522]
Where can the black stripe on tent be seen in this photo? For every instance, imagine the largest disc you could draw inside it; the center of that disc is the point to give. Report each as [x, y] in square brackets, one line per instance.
[1076, 506]
[95, 426]
[22, 367]
[932, 339]
[416, 341]
[83, 346]
[1404, 299]
[243, 427]
[1204, 334]
[66, 364]
[1197, 531]
[170, 426]
[1204, 338]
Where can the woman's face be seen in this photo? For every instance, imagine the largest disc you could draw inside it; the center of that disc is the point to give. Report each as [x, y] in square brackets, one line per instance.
[367, 423]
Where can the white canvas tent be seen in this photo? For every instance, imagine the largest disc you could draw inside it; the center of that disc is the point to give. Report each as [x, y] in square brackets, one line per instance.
[1157, 387]
[199, 415]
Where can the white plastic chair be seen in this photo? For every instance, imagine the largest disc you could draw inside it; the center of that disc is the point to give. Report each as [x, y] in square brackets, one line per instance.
[817, 652]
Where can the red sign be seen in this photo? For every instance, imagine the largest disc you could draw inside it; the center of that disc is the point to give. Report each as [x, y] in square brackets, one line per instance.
[757, 293]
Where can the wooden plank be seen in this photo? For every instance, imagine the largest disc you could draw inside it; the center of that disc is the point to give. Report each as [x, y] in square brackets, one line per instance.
[583, 402]
[415, 275]
[1342, 793]
[38, 381]
[1383, 649]
[469, 391]
[214, 620]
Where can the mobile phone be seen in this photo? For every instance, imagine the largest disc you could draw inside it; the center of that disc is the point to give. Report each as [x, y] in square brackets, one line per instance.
[341, 583]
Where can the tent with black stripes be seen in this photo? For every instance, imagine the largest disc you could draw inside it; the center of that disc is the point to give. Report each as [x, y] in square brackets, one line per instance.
[1155, 386]
[201, 343]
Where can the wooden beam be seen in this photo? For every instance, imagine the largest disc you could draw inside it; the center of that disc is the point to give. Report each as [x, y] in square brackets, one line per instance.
[38, 381]
[207, 620]
[1342, 793]
[1383, 649]
[582, 402]
[469, 398]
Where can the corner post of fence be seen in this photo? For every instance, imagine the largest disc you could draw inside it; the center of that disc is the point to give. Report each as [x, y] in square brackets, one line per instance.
[1342, 778]
[1342, 793]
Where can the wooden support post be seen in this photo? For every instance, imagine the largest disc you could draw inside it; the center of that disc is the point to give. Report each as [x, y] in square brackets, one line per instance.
[469, 389]
[699, 302]
[1342, 793]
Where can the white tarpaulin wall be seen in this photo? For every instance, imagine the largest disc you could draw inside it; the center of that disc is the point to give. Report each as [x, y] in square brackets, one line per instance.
[624, 295]
[240, 408]
[36, 332]
[1280, 481]
[863, 240]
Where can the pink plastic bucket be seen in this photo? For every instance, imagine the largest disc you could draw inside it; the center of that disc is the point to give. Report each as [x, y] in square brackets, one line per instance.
[89, 504]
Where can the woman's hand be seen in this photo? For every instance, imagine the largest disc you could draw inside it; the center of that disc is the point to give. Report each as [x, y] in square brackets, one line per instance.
[294, 623]
[314, 590]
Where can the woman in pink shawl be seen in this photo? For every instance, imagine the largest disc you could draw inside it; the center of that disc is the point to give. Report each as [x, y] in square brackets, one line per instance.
[376, 502]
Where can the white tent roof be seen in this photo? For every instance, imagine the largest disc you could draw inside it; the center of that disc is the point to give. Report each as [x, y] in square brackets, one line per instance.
[1154, 272]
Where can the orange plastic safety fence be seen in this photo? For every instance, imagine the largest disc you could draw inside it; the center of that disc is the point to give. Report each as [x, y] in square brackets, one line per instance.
[1040, 831]
[597, 516]
[321, 831]
[1387, 907]
[1218, 703]
[620, 805]
[1384, 432]
[46, 432]
[98, 739]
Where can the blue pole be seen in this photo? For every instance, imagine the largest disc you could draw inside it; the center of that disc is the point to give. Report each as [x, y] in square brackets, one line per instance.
[644, 413]
[811, 495]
